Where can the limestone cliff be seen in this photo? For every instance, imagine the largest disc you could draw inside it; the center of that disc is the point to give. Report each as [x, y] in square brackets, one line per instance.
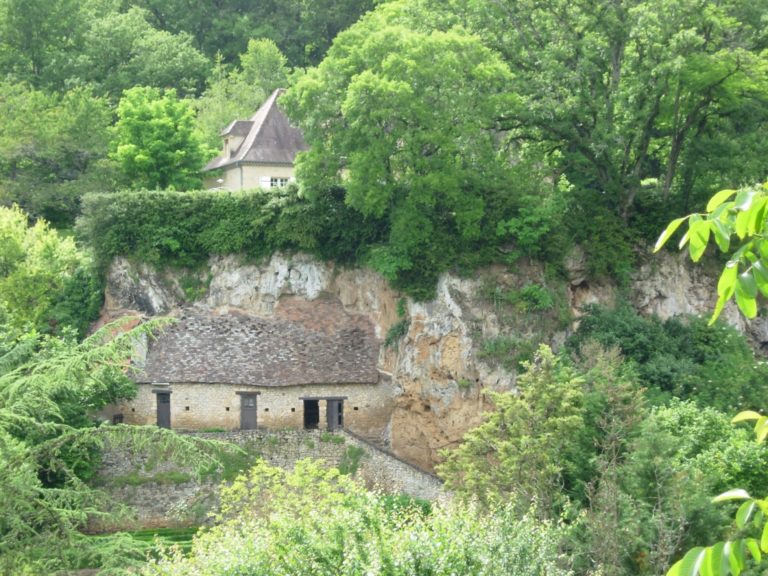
[449, 349]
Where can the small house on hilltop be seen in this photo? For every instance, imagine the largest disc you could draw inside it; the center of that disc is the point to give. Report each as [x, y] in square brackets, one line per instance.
[258, 152]
[234, 371]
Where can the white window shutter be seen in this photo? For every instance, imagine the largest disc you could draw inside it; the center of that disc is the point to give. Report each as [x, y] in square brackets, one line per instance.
[264, 181]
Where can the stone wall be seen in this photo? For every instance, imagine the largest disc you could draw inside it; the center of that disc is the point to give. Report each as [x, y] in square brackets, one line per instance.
[377, 468]
[438, 369]
[167, 494]
[367, 407]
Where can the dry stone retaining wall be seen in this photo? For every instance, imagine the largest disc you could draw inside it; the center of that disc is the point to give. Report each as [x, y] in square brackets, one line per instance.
[165, 497]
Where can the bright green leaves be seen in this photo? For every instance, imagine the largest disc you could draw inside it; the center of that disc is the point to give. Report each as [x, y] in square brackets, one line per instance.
[718, 199]
[668, 231]
[746, 274]
[154, 140]
[698, 237]
[721, 559]
[405, 118]
[734, 556]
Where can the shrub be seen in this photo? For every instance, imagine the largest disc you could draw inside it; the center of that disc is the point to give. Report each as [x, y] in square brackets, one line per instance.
[315, 521]
[680, 358]
[185, 228]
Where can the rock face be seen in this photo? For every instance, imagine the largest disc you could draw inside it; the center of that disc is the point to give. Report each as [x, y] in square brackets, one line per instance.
[449, 349]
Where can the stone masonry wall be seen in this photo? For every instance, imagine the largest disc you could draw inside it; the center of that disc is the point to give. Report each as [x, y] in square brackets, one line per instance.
[161, 499]
[367, 407]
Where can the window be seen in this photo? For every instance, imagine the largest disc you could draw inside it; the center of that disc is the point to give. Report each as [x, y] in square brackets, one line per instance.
[277, 182]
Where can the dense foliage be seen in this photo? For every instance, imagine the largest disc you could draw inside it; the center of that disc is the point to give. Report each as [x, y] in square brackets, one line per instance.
[314, 521]
[627, 103]
[681, 357]
[185, 228]
[581, 440]
[154, 143]
[46, 283]
[64, 67]
[445, 134]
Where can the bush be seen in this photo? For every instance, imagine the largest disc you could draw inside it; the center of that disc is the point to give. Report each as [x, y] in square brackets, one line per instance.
[314, 521]
[185, 228]
[680, 358]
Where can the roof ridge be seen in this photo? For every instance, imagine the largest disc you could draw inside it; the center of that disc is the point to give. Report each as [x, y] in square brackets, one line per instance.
[258, 120]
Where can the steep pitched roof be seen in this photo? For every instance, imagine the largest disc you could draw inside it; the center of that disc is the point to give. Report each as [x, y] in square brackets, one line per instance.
[270, 138]
[237, 349]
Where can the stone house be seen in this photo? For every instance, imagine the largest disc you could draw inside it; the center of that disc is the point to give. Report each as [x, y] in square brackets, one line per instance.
[258, 152]
[233, 371]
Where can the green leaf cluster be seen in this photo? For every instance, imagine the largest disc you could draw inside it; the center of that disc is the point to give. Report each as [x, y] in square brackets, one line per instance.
[185, 228]
[680, 358]
[316, 521]
[736, 221]
[154, 141]
[46, 283]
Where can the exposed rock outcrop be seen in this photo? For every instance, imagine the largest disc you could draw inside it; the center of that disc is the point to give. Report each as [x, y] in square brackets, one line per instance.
[454, 345]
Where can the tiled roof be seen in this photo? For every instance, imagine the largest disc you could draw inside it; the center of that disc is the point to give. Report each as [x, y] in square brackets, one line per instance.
[270, 138]
[237, 128]
[236, 349]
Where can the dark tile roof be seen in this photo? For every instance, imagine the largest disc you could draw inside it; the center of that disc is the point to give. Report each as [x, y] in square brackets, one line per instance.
[270, 138]
[237, 349]
[237, 128]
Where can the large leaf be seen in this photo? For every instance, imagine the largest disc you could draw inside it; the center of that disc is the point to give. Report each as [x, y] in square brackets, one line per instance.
[760, 272]
[764, 538]
[713, 560]
[742, 224]
[746, 415]
[747, 304]
[690, 564]
[719, 198]
[670, 229]
[736, 557]
[727, 283]
[699, 237]
[722, 235]
[735, 494]
[744, 513]
[747, 284]
[754, 549]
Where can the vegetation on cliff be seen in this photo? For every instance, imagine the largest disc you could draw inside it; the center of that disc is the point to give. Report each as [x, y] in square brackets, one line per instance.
[445, 134]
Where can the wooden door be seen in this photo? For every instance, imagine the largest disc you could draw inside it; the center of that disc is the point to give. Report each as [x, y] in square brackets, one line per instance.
[248, 412]
[335, 414]
[164, 409]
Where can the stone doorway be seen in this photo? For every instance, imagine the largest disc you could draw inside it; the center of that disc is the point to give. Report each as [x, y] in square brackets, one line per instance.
[311, 414]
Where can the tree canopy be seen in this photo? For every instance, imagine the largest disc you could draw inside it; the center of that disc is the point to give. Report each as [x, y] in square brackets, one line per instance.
[155, 143]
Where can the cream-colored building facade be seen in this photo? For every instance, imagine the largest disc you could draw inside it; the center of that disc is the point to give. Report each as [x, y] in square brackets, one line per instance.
[256, 153]
[234, 371]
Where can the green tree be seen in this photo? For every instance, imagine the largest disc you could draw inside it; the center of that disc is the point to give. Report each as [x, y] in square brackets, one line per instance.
[303, 29]
[50, 389]
[622, 89]
[524, 446]
[154, 141]
[404, 121]
[45, 282]
[123, 50]
[50, 149]
[39, 40]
